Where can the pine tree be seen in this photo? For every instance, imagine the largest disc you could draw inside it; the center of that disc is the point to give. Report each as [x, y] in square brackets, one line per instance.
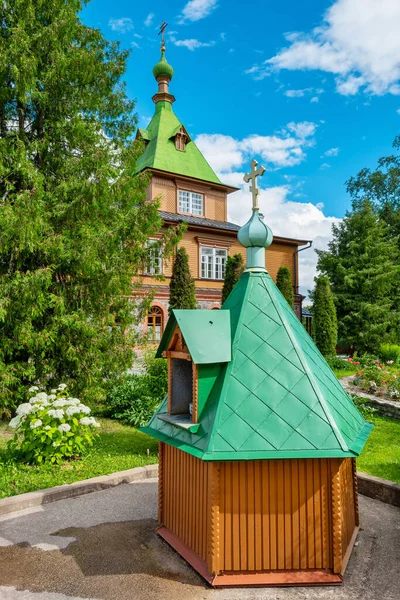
[233, 270]
[182, 291]
[362, 264]
[73, 220]
[324, 317]
[284, 284]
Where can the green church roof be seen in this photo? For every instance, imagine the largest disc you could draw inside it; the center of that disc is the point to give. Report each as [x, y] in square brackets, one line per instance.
[207, 335]
[276, 398]
[160, 152]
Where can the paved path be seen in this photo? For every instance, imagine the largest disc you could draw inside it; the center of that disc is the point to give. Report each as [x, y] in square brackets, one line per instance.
[102, 546]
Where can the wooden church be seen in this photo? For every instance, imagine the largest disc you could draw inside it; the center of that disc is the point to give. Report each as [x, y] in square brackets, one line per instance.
[258, 439]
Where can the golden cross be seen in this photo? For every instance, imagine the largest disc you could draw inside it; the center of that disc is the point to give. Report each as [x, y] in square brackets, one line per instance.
[163, 27]
[252, 177]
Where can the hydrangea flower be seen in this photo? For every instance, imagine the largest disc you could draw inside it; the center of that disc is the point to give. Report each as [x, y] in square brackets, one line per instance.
[72, 410]
[89, 421]
[15, 422]
[33, 389]
[85, 409]
[60, 402]
[36, 423]
[56, 413]
[41, 395]
[53, 391]
[25, 409]
[64, 427]
[62, 386]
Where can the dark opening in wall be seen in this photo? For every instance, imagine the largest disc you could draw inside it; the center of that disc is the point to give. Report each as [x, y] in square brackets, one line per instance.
[181, 386]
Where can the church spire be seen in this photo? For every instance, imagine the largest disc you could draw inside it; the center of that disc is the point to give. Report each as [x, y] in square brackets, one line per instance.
[255, 236]
[163, 72]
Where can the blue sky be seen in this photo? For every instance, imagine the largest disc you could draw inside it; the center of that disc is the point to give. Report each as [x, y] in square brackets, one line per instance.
[311, 89]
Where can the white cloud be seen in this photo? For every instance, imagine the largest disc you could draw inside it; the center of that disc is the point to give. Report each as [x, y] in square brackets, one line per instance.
[122, 25]
[192, 44]
[195, 10]
[139, 37]
[325, 166]
[149, 19]
[296, 93]
[398, 111]
[331, 152]
[314, 99]
[135, 45]
[230, 157]
[358, 41]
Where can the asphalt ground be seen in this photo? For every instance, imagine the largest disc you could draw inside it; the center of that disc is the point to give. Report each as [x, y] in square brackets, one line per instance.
[103, 546]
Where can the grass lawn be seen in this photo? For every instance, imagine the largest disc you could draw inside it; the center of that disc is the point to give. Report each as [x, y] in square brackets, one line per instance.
[119, 447]
[345, 373]
[381, 454]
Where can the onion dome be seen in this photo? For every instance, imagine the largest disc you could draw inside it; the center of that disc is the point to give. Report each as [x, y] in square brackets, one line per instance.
[255, 233]
[163, 67]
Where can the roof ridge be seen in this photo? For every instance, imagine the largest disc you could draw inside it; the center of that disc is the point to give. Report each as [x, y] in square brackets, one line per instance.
[308, 371]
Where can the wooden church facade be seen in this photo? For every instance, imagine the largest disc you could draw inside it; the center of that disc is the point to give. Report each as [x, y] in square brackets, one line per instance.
[191, 192]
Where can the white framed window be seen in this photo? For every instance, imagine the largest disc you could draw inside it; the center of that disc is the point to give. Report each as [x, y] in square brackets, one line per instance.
[213, 261]
[154, 261]
[190, 202]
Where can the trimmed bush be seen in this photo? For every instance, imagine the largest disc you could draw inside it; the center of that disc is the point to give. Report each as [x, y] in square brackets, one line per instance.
[324, 313]
[390, 352]
[285, 285]
[182, 290]
[234, 269]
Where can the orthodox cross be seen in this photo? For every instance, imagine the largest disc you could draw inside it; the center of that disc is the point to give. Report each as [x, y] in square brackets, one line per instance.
[163, 27]
[252, 177]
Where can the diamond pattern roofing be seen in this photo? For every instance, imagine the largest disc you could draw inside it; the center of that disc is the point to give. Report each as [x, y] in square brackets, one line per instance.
[277, 397]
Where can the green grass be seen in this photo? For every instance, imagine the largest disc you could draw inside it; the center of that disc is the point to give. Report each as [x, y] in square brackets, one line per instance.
[119, 447]
[381, 454]
[344, 372]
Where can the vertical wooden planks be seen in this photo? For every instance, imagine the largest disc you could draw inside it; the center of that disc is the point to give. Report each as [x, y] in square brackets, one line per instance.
[161, 486]
[336, 516]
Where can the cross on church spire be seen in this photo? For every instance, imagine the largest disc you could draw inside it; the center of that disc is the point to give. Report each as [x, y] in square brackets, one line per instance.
[163, 27]
[252, 177]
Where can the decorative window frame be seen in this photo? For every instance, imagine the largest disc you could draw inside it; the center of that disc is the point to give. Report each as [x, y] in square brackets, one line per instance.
[147, 272]
[191, 192]
[214, 244]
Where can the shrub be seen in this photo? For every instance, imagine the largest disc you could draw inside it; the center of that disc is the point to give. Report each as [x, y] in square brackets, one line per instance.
[50, 428]
[233, 270]
[134, 398]
[324, 316]
[337, 364]
[390, 352]
[285, 285]
[182, 290]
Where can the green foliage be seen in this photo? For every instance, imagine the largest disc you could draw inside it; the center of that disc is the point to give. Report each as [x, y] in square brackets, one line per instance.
[337, 364]
[73, 220]
[381, 187]
[324, 317]
[233, 270]
[51, 428]
[182, 291]
[134, 398]
[390, 353]
[363, 266]
[285, 285]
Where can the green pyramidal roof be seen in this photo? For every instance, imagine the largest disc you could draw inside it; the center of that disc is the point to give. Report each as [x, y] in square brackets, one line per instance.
[160, 152]
[276, 398]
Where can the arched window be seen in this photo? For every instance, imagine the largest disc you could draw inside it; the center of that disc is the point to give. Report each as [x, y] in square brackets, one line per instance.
[154, 324]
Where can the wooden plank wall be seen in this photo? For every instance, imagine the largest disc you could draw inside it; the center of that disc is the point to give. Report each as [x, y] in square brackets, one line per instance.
[185, 498]
[275, 515]
[348, 522]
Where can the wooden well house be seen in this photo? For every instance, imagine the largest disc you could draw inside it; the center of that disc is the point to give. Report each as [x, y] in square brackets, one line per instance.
[258, 440]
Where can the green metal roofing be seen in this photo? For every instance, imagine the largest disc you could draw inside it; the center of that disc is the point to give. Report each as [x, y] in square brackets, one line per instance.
[277, 397]
[206, 333]
[160, 152]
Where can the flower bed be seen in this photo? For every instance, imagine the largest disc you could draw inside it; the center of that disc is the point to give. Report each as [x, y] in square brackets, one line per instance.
[377, 378]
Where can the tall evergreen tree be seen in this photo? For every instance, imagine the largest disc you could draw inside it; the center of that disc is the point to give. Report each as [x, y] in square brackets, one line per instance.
[233, 270]
[182, 291]
[73, 220]
[324, 317]
[363, 266]
[285, 285]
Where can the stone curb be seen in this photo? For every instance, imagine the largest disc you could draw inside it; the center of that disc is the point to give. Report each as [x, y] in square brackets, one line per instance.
[379, 489]
[387, 408]
[61, 492]
[368, 485]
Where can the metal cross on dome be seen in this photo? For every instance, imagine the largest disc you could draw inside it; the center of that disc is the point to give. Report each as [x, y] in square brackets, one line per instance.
[254, 173]
[163, 27]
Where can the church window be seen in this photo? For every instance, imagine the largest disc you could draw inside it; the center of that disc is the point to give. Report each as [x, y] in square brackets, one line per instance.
[180, 142]
[154, 323]
[154, 260]
[190, 203]
[213, 262]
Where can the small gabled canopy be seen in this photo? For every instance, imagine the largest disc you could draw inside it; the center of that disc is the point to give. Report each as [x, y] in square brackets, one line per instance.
[143, 134]
[207, 335]
[180, 129]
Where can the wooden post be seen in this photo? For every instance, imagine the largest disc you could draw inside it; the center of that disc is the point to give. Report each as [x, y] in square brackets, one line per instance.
[195, 394]
[161, 482]
[336, 516]
[355, 490]
[213, 518]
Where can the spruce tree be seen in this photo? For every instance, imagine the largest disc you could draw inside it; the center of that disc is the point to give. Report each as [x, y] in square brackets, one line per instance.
[324, 317]
[73, 220]
[233, 270]
[284, 284]
[362, 264]
[182, 291]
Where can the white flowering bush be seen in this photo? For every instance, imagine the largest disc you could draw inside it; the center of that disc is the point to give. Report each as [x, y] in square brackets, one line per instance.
[51, 427]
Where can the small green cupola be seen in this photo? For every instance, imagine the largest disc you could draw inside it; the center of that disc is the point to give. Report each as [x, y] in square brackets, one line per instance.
[163, 68]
